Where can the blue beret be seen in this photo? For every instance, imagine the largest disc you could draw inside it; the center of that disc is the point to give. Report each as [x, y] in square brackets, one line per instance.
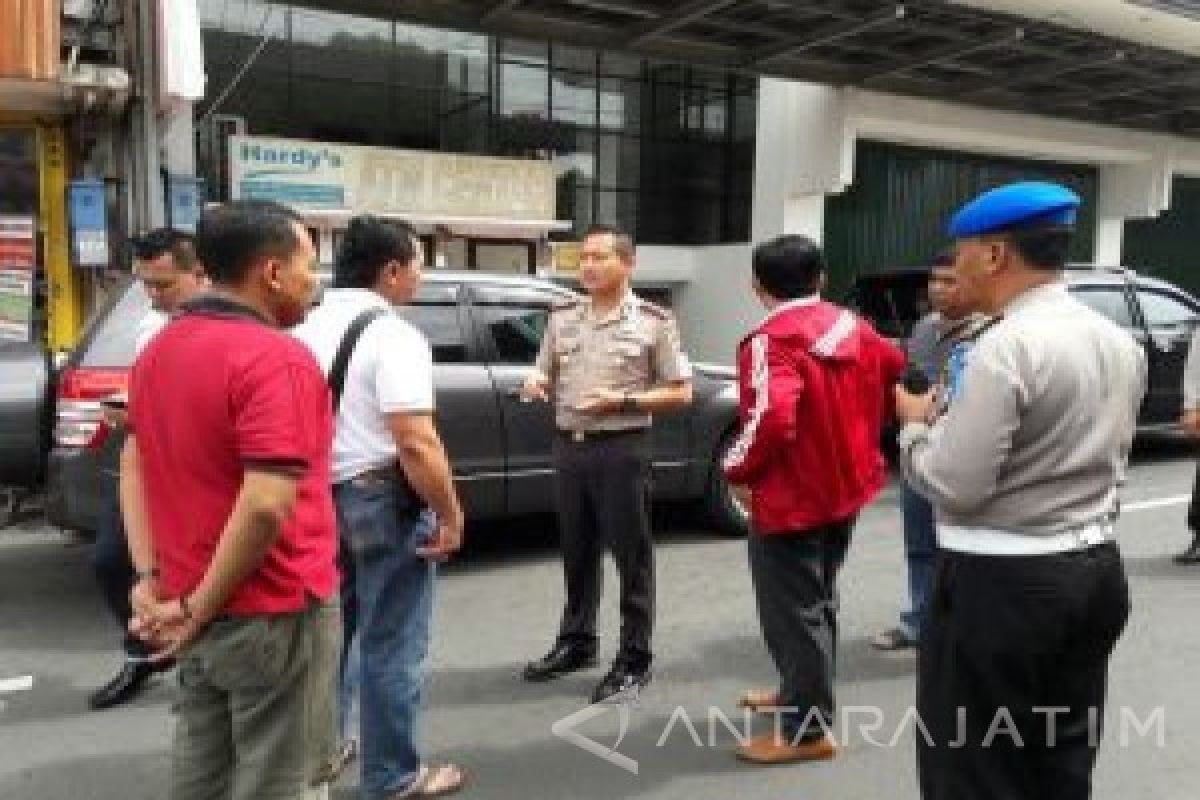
[1015, 205]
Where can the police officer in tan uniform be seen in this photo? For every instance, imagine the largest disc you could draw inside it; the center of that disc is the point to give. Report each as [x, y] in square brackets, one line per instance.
[607, 363]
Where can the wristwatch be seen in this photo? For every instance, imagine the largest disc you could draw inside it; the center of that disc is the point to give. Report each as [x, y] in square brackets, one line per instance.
[629, 404]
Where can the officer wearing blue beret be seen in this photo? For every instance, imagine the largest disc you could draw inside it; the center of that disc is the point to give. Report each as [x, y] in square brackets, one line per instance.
[1030, 594]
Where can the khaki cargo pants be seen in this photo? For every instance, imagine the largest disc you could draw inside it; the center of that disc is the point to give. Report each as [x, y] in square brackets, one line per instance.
[257, 710]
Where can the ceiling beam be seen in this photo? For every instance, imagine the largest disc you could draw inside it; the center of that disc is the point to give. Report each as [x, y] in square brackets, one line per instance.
[1188, 78]
[681, 15]
[1039, 73]
[952, 52]
[830, 33]
[496, 10]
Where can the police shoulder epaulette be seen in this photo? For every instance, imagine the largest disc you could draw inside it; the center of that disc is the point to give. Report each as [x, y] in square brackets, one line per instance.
[653, 310]
[566, 305]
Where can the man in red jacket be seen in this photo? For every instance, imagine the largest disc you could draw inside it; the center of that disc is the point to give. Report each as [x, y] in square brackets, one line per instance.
[815, 382]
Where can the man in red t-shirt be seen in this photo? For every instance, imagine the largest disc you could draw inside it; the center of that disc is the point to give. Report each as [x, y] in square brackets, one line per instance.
[225, 492]
[816, 384]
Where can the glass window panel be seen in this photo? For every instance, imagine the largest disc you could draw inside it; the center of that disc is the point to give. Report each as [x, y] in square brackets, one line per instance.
[1108, 301]
[441, 326]
[576, 156]
[620, 64]
[579, 59]
[516, 332]
[620, 105]
[617, 208]
[1165, 310]
[523, 91]
[332, 110]
[618, 162]
[245, 16]
[716, 114]
[573, 96]
[344, 46]
[525, 51]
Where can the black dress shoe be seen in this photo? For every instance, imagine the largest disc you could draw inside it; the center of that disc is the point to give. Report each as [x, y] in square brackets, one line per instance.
[1191, 555]
[128, 682]
[562, 659]
[623, 682]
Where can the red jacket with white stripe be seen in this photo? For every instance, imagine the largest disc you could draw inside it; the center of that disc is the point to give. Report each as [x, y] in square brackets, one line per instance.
[816, 386]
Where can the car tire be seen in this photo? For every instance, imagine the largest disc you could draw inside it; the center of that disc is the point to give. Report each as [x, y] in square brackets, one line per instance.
[724, 512]
[26, 401]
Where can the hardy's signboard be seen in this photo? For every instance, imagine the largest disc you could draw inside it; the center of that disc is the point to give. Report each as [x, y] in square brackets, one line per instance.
[311, 176]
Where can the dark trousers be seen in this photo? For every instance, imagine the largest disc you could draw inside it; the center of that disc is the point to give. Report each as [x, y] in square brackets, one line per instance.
[115, 573]
[603, 494]
[1193, 515]
[795, 586]
[920, 546]
[1015, 634]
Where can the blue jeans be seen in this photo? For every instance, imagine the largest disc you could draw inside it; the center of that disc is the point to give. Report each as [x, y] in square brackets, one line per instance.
[920, 545]
[393, 588]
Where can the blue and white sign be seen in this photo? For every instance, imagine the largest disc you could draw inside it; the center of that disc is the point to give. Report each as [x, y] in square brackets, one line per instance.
[87, 212]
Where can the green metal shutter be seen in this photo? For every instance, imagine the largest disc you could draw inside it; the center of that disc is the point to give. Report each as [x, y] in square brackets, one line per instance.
[895, 214]
[1168, 246]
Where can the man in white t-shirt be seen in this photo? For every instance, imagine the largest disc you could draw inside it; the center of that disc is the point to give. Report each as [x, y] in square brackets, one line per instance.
[165, 262]
[398, 513]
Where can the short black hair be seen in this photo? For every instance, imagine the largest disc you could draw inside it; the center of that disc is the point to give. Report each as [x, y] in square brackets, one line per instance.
[1044, 247]
[367, 246]
[789, 266]
[232, 238]
[161, 241]
[622, 242]
[944, 258]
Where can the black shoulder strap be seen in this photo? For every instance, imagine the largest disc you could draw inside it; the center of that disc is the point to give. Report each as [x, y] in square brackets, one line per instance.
[341, 361]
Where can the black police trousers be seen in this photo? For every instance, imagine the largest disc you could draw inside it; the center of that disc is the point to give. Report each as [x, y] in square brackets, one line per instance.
[115, 572]
[603, 496]
[1013, 671]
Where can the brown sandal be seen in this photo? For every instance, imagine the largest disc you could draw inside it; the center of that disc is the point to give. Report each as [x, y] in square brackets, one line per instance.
[436, 781]
[759, 699]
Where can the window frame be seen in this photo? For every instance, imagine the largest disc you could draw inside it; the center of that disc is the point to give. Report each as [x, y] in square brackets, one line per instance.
[1178, 297]
[516, 297]
[451, 296]
[1136, 320]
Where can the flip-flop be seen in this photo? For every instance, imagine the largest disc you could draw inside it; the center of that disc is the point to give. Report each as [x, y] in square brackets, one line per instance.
[435, 781]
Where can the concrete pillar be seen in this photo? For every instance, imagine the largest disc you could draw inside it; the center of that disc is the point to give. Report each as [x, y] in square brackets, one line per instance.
[1128, 191]
[1110, 236]
[179, 141]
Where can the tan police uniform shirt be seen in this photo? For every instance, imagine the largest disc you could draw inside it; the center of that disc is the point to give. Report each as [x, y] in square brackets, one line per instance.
[631, 349]
[1037, 439]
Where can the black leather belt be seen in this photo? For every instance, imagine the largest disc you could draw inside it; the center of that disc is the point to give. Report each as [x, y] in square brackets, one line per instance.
[590, 436]
[374, 477]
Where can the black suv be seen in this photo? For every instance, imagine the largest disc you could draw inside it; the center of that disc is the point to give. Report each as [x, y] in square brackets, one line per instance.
[1160, 316]
[485, 331]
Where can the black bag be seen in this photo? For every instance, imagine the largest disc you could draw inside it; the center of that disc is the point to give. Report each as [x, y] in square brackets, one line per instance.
[408, 501]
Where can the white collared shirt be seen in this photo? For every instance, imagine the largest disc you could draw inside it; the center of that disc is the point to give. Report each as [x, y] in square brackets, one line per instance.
[390, 372]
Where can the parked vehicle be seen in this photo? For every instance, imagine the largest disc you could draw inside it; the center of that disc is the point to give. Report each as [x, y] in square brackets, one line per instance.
[1159, 315]
[485, 331]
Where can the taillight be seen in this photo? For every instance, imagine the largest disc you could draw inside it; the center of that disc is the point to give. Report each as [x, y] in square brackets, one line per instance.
[79, 414]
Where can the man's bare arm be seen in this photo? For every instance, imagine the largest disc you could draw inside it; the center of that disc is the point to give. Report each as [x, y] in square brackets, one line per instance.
[263, 506]
[423, 459]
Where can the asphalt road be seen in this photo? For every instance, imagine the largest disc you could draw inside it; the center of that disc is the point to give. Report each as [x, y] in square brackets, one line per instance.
[498, 607]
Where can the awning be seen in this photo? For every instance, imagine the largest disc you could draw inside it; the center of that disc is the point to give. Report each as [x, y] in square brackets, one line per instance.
[917, 47]
[498, 227]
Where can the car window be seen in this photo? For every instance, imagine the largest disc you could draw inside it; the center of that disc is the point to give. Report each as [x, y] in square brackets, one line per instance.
[442, 326]
[1166, 310]
[1110, 301]
[112, 340]
[516, 331]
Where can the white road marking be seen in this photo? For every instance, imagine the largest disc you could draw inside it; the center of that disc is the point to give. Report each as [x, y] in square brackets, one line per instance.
[1162, 502]
[23, 684]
